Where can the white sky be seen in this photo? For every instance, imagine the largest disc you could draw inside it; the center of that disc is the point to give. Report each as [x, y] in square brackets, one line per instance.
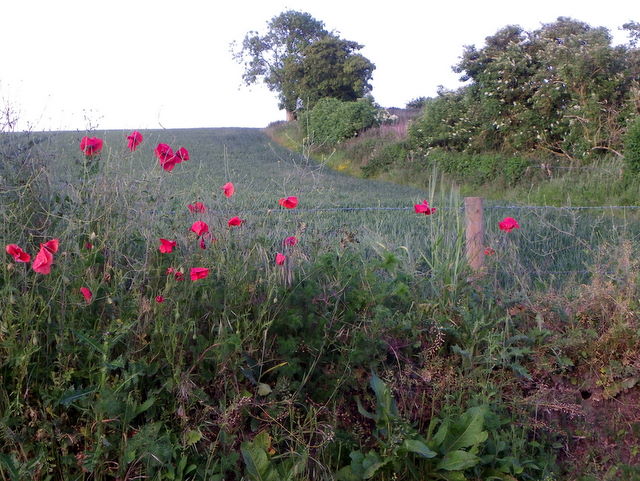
[125, 64]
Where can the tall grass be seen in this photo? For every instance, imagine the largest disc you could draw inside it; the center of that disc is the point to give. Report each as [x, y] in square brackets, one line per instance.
[125, 386]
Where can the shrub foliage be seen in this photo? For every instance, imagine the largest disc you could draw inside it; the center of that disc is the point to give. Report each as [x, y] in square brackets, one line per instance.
[332, 121]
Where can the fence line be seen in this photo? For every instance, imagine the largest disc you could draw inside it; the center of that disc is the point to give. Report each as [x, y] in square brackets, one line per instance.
[486, 207]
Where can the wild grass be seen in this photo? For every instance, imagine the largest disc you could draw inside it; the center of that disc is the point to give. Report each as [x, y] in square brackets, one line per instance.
[254, 371]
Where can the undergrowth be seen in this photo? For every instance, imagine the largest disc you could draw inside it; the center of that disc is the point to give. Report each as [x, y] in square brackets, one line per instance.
[358, 358]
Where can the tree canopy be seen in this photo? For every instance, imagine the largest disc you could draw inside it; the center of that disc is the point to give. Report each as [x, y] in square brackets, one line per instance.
[299, 58]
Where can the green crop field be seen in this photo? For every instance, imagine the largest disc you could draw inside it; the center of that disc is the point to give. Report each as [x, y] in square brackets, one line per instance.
[371, 352]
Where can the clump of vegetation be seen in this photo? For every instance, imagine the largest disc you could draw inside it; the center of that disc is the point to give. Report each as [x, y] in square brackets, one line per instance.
[331, 121]
[391, 154]
[632, 147]
[562, 89]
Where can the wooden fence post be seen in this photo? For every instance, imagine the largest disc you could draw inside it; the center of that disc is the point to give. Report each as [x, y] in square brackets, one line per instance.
[474, 233]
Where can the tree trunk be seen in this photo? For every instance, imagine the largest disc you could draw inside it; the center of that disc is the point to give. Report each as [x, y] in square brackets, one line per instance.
[291, 116]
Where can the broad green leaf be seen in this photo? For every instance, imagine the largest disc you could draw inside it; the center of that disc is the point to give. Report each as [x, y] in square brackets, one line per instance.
[363, 411]
[467, 431]
[457, 461]
[418, 447]
[192, 438]
[385, 404]
[371, 463]
[347, 474]
[256, 460]
[94, 344]
[442, 432]
[454, 476]
[145, 405]
[262, 440]
[264, 389]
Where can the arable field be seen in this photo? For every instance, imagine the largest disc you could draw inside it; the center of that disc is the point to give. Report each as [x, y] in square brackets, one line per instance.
[341, 338]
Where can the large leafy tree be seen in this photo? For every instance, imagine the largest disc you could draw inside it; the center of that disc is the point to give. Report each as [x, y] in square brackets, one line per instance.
[299, 58]
[330, 67]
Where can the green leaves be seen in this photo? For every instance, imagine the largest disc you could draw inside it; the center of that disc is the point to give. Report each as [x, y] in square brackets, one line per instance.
[457, 461]
[260, 466]
[299, 58]
[446, 455]
[464, 432]
[256, 460]
[418, 447]
[331, 120]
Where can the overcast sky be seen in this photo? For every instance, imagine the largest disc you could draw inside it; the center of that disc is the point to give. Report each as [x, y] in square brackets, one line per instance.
[127, 64]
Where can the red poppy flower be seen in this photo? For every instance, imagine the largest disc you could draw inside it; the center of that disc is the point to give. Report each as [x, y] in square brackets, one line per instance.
[508, 224]
[182, 154]
[86, 292]
[197, 207]
[166, 157]
[166, 246]
[90, 146]
[200, 228]
[18, 254]
[424, 208]
[288, 202]
[159, 299]
[235, 221]
[179, 276]
[163, 152]
[88, 246]
[291, 241]
[133, 140]
[199, 273]
[52, 245]
[228, 189]
[280, 258]
[42, 263]
[170, 164]
[488, 251]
